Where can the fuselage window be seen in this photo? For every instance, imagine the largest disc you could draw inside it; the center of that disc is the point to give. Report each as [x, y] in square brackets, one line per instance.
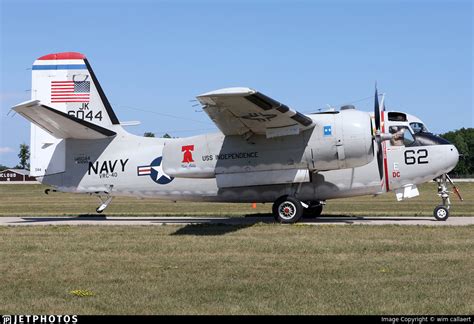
[397, 116]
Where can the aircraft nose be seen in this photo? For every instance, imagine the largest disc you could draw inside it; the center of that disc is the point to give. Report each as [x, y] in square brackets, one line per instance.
[452, 156]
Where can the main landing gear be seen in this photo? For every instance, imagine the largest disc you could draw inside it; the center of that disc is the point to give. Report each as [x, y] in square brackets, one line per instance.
[289, 210]
[315, 208]
[441, 212]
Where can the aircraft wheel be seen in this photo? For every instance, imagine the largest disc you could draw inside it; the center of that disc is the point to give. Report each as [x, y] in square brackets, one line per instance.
[441, 213]
[287, 210]
[313, 211]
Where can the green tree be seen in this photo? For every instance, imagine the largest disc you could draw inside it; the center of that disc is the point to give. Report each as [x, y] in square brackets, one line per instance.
[149, 134]
[3, 167]
[166, 135]
[24, 156]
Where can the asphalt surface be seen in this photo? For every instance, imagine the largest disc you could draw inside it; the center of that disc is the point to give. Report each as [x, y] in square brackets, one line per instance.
[130, 221]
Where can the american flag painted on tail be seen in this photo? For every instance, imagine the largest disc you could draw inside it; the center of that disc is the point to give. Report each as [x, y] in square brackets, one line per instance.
[70, 91]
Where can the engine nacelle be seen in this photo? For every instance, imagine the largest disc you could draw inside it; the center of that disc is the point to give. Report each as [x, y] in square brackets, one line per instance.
[340, 140]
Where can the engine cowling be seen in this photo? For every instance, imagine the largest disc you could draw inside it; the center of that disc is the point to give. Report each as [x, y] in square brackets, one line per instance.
[340, 140]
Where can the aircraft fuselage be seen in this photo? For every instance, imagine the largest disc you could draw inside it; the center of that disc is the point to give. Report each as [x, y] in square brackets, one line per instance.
[129, 165]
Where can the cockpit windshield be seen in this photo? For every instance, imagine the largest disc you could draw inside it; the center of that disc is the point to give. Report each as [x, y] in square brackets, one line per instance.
[418, 128]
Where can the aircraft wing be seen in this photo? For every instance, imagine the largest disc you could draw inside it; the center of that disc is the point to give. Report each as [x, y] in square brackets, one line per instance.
[59, 124]
[237, 111]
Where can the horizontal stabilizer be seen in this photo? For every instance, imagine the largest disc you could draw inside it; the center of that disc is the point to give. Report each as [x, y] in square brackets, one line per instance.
[59, 124]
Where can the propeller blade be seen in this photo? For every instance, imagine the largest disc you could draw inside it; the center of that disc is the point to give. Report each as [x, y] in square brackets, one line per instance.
[382, 103]
[377, 132]
[380, 159]
[377, 111]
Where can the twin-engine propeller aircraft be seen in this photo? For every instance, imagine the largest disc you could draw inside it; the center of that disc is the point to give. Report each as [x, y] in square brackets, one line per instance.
[266, 151]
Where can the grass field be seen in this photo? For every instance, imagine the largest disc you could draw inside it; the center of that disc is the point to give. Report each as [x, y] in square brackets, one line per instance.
[262, 269]
[31, 200]
[246, 269]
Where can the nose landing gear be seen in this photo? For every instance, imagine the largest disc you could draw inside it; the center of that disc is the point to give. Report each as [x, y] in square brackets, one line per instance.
[441, 212]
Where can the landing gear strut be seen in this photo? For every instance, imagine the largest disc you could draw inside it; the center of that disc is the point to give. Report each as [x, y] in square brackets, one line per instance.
[441, 212]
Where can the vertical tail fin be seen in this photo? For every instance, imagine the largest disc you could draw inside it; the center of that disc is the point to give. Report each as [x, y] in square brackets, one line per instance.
[66, 82]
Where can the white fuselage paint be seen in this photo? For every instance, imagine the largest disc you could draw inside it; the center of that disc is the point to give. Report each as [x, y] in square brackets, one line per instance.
[121, 166]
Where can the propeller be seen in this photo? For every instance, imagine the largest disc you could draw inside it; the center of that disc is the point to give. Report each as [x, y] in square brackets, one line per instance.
[378, 136]
[377, 110]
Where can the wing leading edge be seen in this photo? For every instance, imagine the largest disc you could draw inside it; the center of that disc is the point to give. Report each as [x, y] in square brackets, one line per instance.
[238, 111]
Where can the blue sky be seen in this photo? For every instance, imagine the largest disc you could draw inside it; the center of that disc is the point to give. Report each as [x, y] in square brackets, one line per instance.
[153, 57]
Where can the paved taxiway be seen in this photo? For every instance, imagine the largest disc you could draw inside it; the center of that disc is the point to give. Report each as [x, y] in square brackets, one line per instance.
[332, 220]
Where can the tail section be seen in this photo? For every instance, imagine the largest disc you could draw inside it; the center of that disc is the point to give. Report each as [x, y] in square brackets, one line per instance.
[66, 83]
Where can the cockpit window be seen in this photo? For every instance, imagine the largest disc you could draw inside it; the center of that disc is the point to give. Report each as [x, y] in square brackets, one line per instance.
[401, 136]
[397, 116]
[418, 128]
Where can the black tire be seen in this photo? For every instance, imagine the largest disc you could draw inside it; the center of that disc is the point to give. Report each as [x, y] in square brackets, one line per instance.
[441, 213]
[287, 210]
[313, 211]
